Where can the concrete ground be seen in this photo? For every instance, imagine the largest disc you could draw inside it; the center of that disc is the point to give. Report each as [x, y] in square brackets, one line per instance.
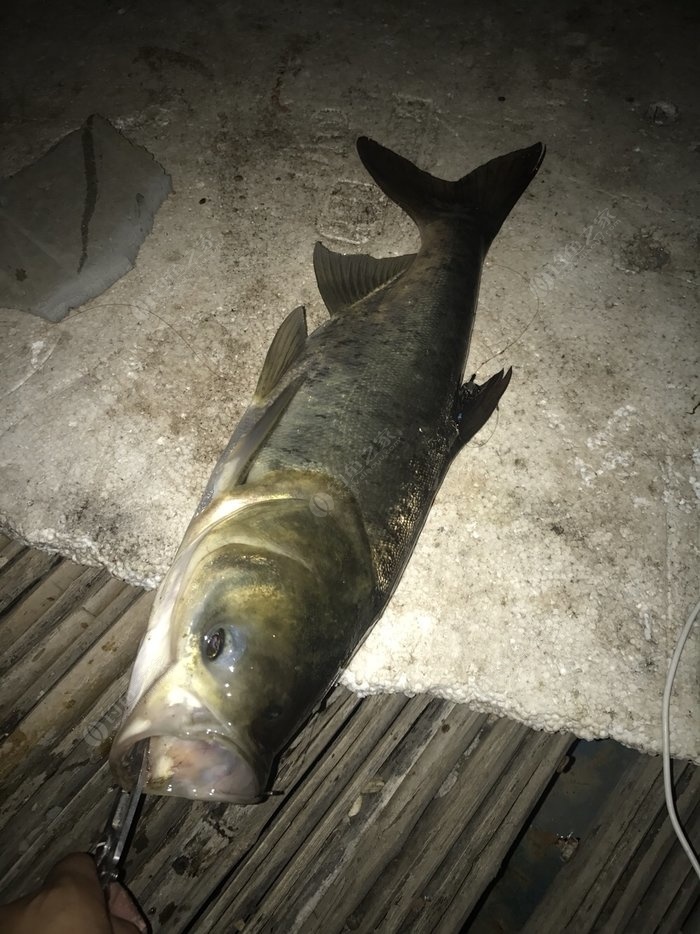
[562, 555]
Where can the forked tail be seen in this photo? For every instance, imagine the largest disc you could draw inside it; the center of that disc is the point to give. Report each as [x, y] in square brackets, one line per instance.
[484, 197]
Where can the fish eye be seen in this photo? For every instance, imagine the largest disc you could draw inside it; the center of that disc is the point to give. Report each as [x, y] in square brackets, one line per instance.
[224, 645]
[213, 643]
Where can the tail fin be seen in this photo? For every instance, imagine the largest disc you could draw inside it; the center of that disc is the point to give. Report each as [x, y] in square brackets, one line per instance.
[487, 195]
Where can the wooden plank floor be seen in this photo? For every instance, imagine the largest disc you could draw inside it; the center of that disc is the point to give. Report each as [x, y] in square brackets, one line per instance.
[394, 814]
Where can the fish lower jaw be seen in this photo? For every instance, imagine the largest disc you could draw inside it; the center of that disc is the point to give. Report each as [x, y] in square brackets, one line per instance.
[203, 767]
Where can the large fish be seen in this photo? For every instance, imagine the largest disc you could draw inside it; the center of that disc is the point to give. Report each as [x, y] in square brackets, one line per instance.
[314, 507]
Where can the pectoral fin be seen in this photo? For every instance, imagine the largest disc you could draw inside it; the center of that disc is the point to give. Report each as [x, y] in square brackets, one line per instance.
[265, 409]
[285, 349]
[475, 404]
[250, 435]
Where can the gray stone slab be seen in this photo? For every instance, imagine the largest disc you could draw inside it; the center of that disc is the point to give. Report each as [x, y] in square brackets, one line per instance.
[72, 223]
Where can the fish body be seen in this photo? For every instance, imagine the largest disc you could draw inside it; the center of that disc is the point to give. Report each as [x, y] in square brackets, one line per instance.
[315, 506]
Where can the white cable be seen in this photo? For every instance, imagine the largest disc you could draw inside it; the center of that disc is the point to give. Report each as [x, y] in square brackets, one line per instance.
[666, 737]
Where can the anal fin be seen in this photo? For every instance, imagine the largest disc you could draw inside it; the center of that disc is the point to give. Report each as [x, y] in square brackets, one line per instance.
[474, 405]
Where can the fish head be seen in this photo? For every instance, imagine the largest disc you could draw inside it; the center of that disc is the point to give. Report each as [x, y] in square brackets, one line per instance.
[229, 670]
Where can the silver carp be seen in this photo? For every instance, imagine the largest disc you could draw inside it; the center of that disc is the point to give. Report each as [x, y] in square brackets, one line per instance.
[314, 508]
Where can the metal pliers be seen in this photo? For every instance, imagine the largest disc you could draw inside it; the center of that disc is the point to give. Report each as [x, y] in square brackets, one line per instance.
[110, 850]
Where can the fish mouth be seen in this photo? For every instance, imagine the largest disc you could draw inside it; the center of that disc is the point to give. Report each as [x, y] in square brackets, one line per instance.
[190, 752]
[201, 766]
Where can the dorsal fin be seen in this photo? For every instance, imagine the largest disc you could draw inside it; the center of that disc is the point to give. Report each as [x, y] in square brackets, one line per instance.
[344, 279]
[286, 346]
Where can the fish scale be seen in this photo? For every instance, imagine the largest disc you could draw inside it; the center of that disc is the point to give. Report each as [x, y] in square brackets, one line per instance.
[394, 362]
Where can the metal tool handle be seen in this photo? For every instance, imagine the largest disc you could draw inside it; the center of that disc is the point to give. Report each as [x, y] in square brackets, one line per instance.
[109, 851]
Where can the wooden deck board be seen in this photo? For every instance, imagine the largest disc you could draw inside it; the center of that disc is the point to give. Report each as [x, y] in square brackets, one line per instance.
[478, 854]
[621, 837]
[39, 610]
[655, 849]
[394, 814]
[28, 566]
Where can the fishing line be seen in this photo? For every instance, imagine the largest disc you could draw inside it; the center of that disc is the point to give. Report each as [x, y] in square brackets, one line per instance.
[482, 444]
[136, 306]
[666, 738]
[527, 327]
[515, 340]
[149, 311]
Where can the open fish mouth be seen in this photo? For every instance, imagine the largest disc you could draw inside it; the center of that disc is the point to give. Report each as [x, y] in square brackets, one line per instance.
[190, 751]
[206, 766]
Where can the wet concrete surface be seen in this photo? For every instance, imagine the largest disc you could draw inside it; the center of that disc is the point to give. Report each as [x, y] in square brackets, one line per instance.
[561, 556]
